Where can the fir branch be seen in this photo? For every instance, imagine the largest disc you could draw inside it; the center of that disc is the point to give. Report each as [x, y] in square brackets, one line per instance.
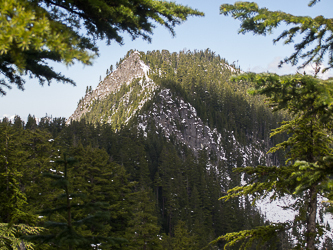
[261, 234]
[315, 31]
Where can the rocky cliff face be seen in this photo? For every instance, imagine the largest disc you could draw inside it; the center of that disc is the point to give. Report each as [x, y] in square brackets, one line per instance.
[178, 119]
[131, 68]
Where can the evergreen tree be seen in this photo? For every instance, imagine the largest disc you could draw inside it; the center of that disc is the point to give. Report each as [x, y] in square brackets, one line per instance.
[31, 123]
[45, 30]
[182, 239]
[17, 163]
[314, 30]
[10, 236]
[103, 181]
[65, 234]
[143, 231]
[307, 172]
[12, 198]
[39, 151]
[308, 99]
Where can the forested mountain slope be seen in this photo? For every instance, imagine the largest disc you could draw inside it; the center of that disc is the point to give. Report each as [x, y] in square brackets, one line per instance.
[186, 101]
[188, 97]
[157, 141]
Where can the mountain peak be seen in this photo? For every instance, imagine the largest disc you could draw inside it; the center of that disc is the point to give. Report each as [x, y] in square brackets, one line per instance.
[130, 68]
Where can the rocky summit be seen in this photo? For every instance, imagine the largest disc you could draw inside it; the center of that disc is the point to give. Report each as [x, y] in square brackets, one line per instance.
[120, 99]
[131, 68]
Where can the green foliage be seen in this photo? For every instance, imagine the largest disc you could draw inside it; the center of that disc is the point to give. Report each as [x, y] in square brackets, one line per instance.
[36, 31]
[294, 93]
[10, 236]
[103, 181]
[308, 172]
[257, 236]
[11, 197]
[66, 232]
[309, 100]
[119, 105]
[316, 32]
[29, 36]
[182, 239]
[143, 232]
[183, 189]
[24, 154]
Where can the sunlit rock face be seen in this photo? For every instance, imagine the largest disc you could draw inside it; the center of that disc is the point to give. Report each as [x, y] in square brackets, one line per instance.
[131, 68]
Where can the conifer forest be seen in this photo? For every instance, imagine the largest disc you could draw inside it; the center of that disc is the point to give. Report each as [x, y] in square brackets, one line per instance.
[90, 184]
[172, 150]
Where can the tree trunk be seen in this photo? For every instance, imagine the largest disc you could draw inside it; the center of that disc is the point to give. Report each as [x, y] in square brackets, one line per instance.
[69, 215]
[21, 246]
[311, 221]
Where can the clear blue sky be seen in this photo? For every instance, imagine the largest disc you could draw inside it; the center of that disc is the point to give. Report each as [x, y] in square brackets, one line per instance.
[214, 31]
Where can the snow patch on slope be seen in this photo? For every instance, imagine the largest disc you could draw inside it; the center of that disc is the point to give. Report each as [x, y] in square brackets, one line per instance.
[178, 120]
